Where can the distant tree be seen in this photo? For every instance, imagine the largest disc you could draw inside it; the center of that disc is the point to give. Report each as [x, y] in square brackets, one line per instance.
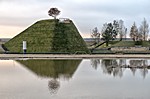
[54, 12]
[125, 35]
[144, 30]
[116, 26]
[95, 35]
[134, 32]
[104, 28]
[108, 33]
[119, 28]
[122, 29]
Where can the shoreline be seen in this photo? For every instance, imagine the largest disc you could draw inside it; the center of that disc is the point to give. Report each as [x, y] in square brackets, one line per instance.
[72, 56]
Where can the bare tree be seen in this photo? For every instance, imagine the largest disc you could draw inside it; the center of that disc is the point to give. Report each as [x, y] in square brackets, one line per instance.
[134, 32]
[116, 26]
[144, 30]
[125, 35]
[95, 35]
[104, 28]
[119, 28]
[54, 12]
[122, 29]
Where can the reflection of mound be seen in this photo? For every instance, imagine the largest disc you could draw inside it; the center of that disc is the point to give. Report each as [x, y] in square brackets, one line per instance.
[52, 68]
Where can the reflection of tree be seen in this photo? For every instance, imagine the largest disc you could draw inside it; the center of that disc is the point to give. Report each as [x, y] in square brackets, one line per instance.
[133, 70]
[143, 64]
[53, 69]
[122, 62]
[118, 72]
[111, 66]
[53, 86]
[138, 63]
[117, 66]
[107, 65]
[144, 72]
[95, 63]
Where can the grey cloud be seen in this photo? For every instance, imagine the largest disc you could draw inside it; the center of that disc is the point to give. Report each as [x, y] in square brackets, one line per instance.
[86, 14]
[116, 9]
[17, 21]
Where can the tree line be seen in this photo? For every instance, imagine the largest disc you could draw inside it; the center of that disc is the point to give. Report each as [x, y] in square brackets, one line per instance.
[117, 29]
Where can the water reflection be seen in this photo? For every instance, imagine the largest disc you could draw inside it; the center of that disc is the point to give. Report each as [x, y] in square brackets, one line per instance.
[52, 69]
[53, 86]
[118, 66]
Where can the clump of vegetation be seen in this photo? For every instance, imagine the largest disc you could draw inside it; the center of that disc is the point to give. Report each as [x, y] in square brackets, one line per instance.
[95, 35]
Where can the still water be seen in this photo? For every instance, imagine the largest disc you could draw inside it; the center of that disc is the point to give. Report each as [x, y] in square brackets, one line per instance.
[75, 79]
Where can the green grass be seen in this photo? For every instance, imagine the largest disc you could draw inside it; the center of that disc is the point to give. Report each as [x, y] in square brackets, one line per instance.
[1, 51]
[130, 44]
[113, 42]
[102, 51]
[104, 46]
[49, 36]
[146, 44]
[105, 49]
[124, 44]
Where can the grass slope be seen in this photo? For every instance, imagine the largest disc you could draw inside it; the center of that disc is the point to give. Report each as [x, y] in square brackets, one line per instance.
[48, 36]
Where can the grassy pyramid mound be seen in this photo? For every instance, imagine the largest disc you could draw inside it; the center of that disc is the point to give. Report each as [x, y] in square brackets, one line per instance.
[47, 36]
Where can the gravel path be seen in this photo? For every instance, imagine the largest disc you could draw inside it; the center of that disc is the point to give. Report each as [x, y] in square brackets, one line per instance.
[51, 56]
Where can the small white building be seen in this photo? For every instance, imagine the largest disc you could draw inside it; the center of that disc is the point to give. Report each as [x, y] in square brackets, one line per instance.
[64, 20]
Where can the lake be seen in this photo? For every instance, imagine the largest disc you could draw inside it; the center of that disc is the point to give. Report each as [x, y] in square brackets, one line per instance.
[75, 79]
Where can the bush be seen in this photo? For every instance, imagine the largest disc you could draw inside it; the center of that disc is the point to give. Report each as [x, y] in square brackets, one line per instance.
[138, 42]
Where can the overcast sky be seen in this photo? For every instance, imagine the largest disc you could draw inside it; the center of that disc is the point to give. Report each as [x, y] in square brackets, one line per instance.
[17, 15]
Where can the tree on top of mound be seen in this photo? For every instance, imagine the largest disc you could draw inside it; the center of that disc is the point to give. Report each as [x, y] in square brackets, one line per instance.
[54, 12]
